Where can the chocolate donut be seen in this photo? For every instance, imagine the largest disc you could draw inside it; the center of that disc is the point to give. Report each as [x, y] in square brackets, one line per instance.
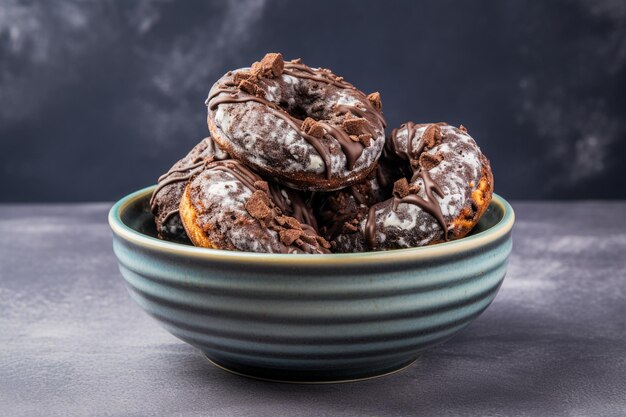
[305, 127]
[227, 206]
[171, 185]
[448, 186]
[340, 211]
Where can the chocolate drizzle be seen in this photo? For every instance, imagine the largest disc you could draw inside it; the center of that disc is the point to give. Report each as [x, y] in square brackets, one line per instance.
[428, 203]
[370, 114]
[301, 211]
[236, 169]
[297, 69]
[360, 198]
[198, 162]
[370, 227]
[237, 96]
[351, 149]
[165, 200]
[299, 208]
[167, 179]
[409, 154]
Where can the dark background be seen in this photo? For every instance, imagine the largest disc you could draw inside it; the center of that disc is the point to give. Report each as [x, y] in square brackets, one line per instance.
[99, 98]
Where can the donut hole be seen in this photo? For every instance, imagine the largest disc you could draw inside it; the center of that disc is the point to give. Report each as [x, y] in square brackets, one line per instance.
[304, 100]
[298, 111]
[294, 108]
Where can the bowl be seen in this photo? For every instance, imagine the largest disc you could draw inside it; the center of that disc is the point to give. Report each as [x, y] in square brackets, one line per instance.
[311, 318]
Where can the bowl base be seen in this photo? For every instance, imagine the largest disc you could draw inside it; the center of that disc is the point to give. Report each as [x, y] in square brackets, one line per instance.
[310, 377]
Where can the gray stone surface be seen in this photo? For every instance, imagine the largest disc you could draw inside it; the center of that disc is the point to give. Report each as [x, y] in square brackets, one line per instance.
[73, 343]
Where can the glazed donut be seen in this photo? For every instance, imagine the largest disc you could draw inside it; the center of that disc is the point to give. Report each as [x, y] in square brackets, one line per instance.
[227, 206]
[171, 185]
[307, 128]
[448, 186]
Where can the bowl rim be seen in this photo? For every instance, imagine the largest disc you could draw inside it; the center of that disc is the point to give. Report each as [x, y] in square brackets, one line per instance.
[452, 248]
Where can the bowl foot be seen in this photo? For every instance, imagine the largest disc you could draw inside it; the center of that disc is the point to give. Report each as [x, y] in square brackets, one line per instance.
[310, 377]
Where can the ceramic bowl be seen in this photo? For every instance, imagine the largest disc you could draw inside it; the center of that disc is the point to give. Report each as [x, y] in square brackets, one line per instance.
[311, 318]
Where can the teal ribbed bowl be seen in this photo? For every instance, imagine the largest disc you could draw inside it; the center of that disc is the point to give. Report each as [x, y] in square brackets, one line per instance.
[311, 318]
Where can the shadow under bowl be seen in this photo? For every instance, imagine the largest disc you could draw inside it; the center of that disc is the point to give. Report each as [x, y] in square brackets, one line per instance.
[311, 318]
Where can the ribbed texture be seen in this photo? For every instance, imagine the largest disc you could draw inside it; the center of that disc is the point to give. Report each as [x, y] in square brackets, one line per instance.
[310, 318]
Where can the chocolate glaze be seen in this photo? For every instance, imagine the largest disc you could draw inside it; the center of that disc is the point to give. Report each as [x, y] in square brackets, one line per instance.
[295, 206]
[291, 204]
[428, 204]
[227, 92]
[349, 147]
[237, 96]
[164, 202]
[445, 175]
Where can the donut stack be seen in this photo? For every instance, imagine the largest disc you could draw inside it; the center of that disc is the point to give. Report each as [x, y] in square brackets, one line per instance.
[298, 162]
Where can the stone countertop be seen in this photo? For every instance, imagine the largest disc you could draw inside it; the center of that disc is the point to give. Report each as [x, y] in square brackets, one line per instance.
[552, 343]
